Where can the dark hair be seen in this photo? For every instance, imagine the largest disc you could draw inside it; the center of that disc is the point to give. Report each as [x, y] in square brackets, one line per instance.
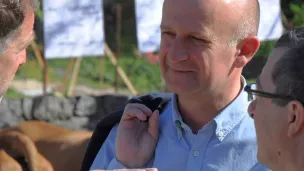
[12, 14]
[288, 73]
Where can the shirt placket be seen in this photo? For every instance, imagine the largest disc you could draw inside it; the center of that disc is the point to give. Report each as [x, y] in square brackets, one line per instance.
[197, 152]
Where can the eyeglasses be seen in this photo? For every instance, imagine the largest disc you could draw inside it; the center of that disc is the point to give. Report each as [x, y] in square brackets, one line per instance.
[251, 90]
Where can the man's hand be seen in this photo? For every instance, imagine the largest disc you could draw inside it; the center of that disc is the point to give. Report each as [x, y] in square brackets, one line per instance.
[136, 137]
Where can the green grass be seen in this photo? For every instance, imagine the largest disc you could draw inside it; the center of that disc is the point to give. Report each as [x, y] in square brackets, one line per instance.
[12, 94]
[144, 76]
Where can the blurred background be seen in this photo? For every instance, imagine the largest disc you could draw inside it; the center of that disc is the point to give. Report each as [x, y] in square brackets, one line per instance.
[91, 56]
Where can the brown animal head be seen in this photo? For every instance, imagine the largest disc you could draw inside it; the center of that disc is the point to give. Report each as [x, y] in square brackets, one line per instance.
[18, 144]
[63, 148]
[7, 163]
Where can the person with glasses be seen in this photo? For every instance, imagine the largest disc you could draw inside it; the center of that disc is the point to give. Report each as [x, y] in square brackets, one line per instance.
[277, 106]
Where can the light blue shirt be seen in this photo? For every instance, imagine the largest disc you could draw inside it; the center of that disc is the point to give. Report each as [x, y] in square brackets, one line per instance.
[227, 143]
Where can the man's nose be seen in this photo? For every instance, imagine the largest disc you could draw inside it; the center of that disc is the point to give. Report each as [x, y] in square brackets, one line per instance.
[251, 108]
[178, 51]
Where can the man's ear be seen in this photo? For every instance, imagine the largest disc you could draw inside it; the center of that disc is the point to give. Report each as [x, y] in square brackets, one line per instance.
[295, 118]
[246, 49]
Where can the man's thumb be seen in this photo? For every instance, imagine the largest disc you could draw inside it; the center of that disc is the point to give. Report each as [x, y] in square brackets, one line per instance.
[153, 124]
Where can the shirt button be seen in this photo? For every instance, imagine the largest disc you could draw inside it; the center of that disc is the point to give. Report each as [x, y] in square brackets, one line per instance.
[221, 133]
[196, 153]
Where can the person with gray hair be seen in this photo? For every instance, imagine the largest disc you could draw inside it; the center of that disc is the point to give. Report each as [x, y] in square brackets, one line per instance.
[16, 33]
[278, 105]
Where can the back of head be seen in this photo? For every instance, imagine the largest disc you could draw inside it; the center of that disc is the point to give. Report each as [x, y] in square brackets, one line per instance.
[288, 73]
[12, 14]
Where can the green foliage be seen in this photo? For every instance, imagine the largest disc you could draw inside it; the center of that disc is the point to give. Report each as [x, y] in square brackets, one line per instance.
[265, 48]
[298, 14]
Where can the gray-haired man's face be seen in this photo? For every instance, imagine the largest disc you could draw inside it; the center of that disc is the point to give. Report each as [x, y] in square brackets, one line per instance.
[15, 55]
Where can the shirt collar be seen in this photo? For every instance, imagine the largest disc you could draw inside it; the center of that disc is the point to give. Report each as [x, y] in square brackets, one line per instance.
[225, 121]
[177, 119]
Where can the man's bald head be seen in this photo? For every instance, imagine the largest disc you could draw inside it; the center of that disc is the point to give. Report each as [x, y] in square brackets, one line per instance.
[249, 20]
[196, 36]
[226, 20]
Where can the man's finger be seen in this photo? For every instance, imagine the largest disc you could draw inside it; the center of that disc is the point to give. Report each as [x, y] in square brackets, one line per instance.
[135, 113]
[141, 107]
[153, 125]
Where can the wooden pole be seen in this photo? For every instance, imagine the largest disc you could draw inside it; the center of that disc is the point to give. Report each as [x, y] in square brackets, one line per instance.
[43, 64]
[45, 67]
[66, 75]
[74, 76]
[287, 24]
[120, 71]
[118, 41]
[37, 54]
[45, 77]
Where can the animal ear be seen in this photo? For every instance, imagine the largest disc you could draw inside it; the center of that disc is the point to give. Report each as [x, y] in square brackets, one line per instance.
[22, 145]
[8, 163]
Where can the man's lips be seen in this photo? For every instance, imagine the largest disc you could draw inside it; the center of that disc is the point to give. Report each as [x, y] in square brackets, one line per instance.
[180, 69]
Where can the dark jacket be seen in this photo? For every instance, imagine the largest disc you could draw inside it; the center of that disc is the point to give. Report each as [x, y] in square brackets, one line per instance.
[153, 101]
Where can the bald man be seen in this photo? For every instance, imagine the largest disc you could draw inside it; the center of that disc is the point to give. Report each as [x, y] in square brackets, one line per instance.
[205, 45]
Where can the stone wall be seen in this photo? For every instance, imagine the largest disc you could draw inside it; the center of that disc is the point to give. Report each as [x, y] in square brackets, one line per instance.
[76, 113]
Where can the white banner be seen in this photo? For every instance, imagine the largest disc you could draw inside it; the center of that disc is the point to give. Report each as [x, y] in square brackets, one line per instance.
[148, 19]
[271, 26]
[149, 14]
[73, 28]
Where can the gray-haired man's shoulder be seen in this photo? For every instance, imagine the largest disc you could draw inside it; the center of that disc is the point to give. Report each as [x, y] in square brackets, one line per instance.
[259, 167]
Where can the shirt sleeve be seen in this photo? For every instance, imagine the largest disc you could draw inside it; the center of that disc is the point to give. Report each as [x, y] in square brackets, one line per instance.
[105, 158]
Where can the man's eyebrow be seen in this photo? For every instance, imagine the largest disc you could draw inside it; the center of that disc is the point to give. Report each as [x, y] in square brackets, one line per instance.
[203, 34]
[258, 83]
